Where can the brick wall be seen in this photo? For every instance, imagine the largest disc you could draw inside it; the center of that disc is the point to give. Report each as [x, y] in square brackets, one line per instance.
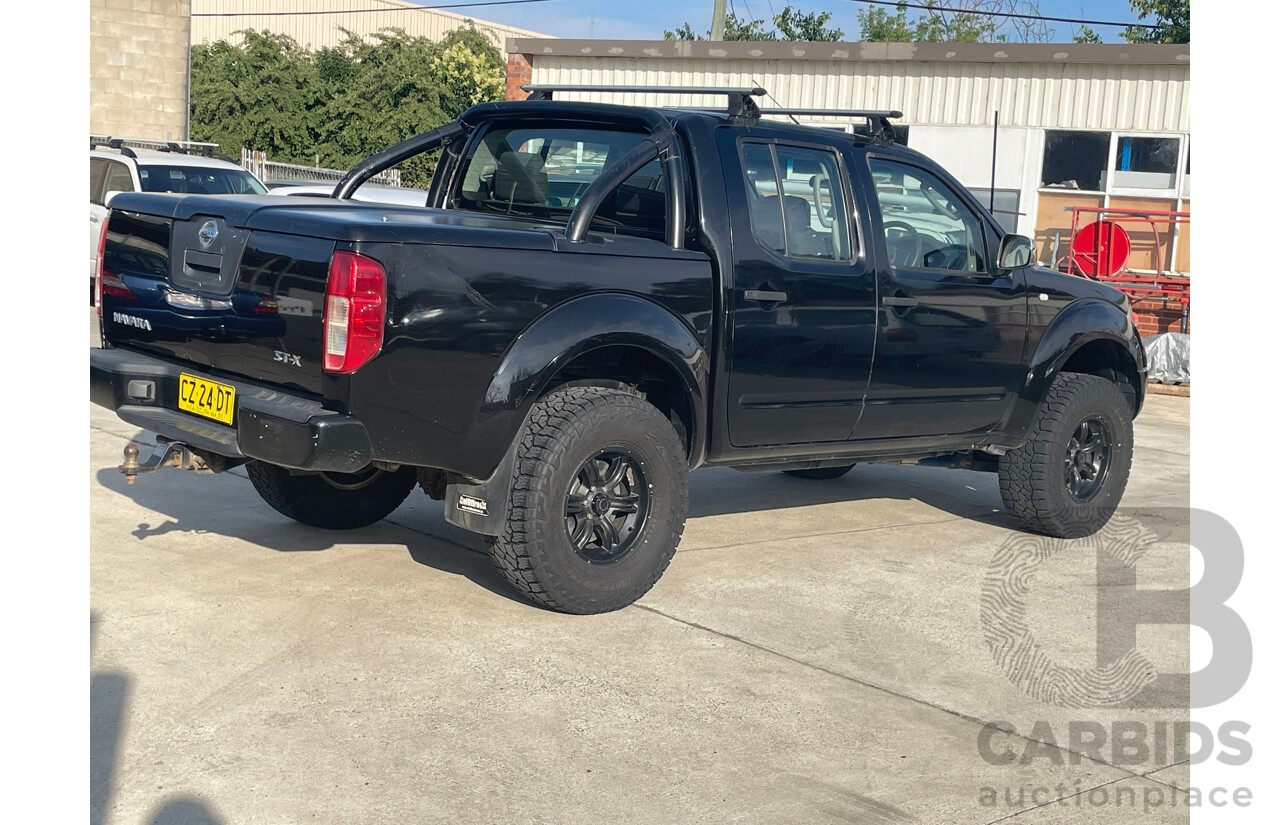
[519, 72]
[138, 67]
[1157, 315]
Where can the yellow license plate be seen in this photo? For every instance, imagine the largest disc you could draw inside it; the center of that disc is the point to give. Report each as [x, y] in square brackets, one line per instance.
[206, 398]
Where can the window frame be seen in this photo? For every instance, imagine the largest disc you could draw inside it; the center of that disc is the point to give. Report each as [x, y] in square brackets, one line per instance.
[852, 240]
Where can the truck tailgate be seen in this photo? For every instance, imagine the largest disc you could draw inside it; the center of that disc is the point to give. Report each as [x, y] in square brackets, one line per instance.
[237, 284]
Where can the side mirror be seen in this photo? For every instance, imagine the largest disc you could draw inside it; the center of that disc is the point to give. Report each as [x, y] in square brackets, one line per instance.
[1016, 251]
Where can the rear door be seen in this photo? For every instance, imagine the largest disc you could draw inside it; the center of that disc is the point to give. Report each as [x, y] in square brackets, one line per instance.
[953, 327]
[802, 299]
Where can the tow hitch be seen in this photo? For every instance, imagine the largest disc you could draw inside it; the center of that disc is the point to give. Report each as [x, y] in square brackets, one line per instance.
[170, 454]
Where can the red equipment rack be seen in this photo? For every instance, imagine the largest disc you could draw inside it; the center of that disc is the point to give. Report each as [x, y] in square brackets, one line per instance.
[1162, 284]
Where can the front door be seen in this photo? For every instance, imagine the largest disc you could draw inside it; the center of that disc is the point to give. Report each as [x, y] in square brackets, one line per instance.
[953, 327]
[802, 298]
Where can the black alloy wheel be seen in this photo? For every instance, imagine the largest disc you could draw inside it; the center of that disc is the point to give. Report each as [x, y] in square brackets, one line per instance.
[1087, 459]
[607, 505]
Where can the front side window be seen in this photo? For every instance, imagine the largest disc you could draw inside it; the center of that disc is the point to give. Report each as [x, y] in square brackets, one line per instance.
[796, 201]
[544, 172]
[926, 225]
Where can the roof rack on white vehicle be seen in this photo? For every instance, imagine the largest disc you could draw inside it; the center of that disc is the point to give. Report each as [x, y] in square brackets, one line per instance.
[125, 146]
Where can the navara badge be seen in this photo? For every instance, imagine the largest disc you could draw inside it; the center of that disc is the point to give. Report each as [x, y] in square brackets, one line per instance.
[208, 233]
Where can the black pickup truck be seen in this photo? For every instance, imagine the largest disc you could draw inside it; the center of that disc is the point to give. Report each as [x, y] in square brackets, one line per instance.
[596, 300]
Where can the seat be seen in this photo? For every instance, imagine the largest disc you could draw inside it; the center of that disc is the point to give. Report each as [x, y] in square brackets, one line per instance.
[520, 179]
[802, 241]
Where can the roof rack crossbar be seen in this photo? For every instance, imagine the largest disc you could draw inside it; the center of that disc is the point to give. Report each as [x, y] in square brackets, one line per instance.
[740, 103]
[877, 119]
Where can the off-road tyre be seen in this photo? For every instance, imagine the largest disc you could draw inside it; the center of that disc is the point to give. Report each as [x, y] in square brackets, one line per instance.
[335, 501]
[1051, 483]
[556, 547]
[821, 473]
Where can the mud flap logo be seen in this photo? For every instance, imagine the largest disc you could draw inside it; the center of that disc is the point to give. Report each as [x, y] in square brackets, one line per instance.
[473, 505]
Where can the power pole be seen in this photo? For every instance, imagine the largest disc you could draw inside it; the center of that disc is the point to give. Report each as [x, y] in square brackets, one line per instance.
[717, 20]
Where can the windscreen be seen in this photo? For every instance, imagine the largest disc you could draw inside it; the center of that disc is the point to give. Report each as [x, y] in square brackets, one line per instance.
[199, 180]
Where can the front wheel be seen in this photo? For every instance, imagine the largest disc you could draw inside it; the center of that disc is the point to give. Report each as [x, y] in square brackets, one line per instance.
[1067, 479]
[598, 501]
[335, 501]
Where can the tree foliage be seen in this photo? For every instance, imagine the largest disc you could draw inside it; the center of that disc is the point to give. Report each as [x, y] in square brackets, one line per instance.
[956, 21]
[339, 104]
[1172, 21]
[789, 24]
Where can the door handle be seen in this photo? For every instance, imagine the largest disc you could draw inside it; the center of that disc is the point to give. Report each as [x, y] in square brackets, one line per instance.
[899, 301]
[764, 296]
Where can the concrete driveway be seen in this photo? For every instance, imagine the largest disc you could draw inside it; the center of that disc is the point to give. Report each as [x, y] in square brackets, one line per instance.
[817, 652]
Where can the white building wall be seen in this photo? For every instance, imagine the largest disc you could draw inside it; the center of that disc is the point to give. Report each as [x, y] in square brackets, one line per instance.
[1045, 95]
[318, 31]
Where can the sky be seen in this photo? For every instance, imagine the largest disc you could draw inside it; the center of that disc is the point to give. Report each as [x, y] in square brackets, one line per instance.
[648, 19]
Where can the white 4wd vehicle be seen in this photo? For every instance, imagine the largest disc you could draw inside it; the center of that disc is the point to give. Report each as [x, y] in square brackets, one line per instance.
[144, 165]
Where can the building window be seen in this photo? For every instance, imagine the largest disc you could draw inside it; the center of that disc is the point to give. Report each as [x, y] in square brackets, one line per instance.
[1115, 163]
[1005, 209]
[1145, 162]
[1075, 160]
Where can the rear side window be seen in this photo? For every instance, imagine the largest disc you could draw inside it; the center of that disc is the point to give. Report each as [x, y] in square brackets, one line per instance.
[116, 179]
[97, 171]
[543, 173]
[797, 201]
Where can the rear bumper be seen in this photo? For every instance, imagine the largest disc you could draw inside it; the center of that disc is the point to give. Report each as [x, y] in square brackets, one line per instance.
[275, 427]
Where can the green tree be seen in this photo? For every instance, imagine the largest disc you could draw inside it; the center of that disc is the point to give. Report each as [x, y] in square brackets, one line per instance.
[1086, 35]
[956, 21]
[878, 26]
[1172, 21]
[339, 104]
[791, 23]
[806, 27]
[264, 93]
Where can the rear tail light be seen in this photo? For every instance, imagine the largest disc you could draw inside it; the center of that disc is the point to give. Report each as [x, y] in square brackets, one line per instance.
[355, 310]
[108, 282]
[97, 279]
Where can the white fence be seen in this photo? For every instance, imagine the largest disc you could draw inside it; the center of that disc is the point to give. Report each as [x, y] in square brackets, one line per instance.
[269, 170]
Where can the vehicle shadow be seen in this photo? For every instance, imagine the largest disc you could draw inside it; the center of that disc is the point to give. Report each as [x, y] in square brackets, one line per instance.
[226, 504]
[109, 694]
[964, 493]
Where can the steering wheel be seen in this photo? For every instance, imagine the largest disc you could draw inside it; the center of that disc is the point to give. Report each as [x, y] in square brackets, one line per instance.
[905, 246]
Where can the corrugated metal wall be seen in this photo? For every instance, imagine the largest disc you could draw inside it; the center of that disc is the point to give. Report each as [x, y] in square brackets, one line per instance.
[1055, 96]
[317, 31]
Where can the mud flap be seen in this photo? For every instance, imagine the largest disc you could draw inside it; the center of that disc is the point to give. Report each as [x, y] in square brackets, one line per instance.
[482, 507]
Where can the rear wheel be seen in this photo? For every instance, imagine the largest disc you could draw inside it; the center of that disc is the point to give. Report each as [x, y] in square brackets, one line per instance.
[598, 501]
[1067, 479]
[821, 473]
[336, 501]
